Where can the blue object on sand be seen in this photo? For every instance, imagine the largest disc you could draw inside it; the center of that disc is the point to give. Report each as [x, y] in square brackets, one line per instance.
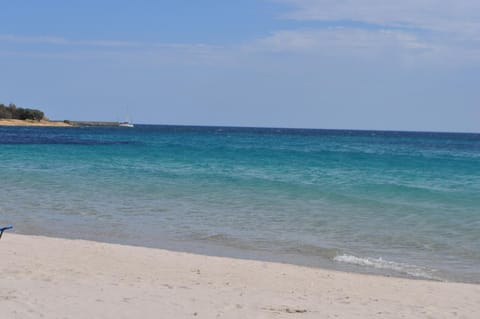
[2, 229]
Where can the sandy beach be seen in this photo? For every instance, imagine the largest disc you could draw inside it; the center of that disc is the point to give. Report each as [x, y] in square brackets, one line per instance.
[59, 278]
[5, 122]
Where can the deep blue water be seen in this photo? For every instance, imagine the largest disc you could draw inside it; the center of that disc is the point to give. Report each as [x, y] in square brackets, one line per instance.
[396, 203]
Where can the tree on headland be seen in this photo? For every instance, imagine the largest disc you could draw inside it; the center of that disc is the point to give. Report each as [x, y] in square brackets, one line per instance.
[19, 113]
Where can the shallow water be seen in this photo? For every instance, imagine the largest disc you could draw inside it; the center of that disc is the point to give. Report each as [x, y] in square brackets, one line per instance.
[405, 204]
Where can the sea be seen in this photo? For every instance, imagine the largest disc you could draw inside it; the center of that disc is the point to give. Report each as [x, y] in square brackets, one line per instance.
[403, 204]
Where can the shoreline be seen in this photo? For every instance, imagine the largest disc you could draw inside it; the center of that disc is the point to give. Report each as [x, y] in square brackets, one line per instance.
[48, 123]
[215, 250]
[55, 277]
[12, 122]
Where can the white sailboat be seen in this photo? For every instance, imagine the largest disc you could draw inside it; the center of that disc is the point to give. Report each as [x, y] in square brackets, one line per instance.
[127, 123]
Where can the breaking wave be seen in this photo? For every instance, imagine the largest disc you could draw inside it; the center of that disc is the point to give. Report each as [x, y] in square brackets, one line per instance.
[379, 263]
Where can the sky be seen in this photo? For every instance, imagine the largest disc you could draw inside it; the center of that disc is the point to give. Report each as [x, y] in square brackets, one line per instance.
[335, 64]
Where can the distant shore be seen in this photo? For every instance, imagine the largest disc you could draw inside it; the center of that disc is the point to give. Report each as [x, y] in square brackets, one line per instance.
[58, 278]
[11, 122]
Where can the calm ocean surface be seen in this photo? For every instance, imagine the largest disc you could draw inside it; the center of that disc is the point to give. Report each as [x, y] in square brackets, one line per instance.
[392, 203]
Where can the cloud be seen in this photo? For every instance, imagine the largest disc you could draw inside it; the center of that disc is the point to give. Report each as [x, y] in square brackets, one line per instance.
[417, 31]
[433, 30]
[375, 46]
[339, 39]
[51, 40]
[460, 16]
[148, 52]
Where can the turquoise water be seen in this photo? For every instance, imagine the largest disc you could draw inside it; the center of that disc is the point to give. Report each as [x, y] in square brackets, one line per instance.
[404, 204]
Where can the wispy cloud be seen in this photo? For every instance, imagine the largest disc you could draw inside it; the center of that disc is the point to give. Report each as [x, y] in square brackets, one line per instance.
[340, 38]
[422, 31]
[156, 53]
[376, 46]
[433, 29]
[52, 40]
[436, 15]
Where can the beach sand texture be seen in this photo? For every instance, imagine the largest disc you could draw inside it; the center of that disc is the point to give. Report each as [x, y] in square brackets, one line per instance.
[6, 122]
[59, 278]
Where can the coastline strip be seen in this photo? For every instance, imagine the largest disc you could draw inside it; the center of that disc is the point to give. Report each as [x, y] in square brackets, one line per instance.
[56, 278]
[11, 122]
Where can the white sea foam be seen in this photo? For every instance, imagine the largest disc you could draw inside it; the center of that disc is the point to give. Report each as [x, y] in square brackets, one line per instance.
[380, 263]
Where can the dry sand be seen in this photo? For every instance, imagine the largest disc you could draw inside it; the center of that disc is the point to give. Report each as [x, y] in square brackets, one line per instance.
[58, 278]
[5, 122]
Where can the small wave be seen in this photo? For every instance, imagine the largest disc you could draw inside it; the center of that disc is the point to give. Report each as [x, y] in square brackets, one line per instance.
[226, 241]
[217, 237]
[311, 250]
[379, 263]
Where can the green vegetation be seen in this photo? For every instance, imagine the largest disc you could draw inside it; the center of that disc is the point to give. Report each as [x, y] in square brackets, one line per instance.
[18, 113]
